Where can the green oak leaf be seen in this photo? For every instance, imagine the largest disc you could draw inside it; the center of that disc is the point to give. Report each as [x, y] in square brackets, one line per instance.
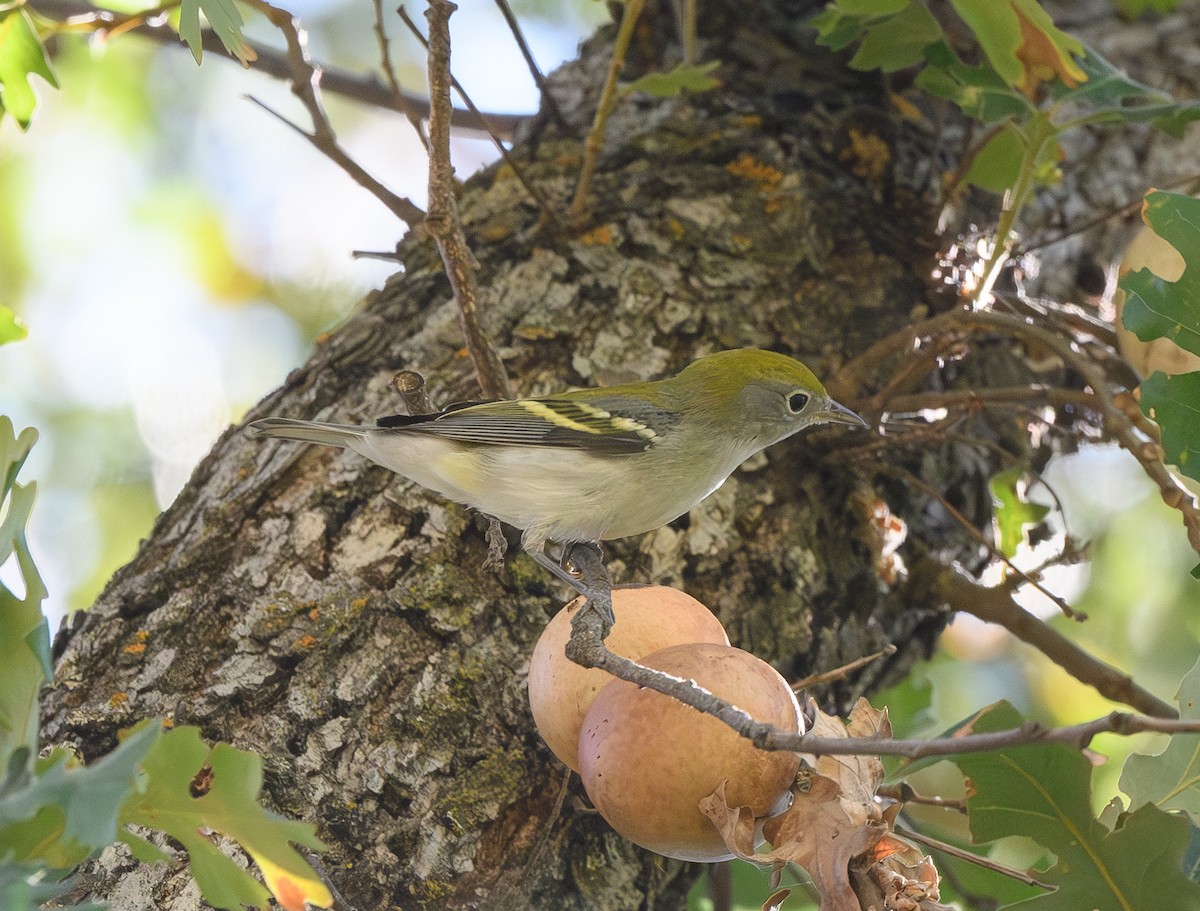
[24, 634]
[1173, 402]
[11, 328]
[225, 20]
[21, 56]
[1116, 98]
[686, 77]
[190, 788]
[1013, 512]
[1043, 791]
[1155, 308]
[898, 41]
[1170, 780]
[66, 812]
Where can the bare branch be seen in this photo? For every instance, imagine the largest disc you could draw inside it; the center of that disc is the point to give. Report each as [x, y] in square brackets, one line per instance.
[442, 220]
[995, 605]
[363, 89]
[518, 36]
[544, 208]
[389, 72]
[985, 862]
[401, 207]
[305, 81]
[608, 99]
[586, 647]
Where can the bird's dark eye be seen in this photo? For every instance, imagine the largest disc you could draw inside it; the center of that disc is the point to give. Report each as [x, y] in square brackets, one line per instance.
[797, 401]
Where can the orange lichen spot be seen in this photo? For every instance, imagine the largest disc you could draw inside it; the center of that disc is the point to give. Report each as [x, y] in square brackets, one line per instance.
[598, 237]
[359, 603]
[306, 642]
[116, 700]
[134, 648]
[750, 168]
[867, 154]
[741, 242]
[497, 230]
[314, 614]
[749, 121]
[773, 204]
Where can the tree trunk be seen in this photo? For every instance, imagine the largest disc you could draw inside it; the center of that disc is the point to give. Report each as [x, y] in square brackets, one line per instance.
[303, 603]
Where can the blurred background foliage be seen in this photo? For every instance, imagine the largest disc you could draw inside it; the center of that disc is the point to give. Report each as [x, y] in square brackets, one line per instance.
[174, 251]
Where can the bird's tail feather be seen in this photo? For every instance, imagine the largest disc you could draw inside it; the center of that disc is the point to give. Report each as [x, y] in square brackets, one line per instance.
[306, 431]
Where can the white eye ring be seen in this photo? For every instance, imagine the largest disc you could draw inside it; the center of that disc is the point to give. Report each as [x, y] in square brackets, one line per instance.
[797, 401]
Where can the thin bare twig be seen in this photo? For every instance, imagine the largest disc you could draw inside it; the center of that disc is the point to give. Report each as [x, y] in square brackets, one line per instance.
[442, 220]
[1121, 418]
[305, 78]
[587, 648]
[608, 99]
[995, 605]
[519, 37]
[363, 89]
[1118, 212]
[389, 73]
[839, 672]
[400, 206]
[979, 537]
[544, 208]
[903, 792]
[978, 860]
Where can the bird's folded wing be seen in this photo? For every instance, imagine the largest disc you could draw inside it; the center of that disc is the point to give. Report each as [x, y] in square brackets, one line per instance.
[560, 422]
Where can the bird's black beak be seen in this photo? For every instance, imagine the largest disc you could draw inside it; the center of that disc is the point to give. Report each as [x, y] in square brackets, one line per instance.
[840, 414]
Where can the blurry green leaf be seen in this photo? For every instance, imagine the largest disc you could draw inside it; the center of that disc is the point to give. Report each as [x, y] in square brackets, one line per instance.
[21, 55]
[24, 634]
[1116, 98]
[1155, 308]
[1044, 791]
[686, 77]
[1013, 513]
[11, 328]
[1173, 402]
[190, 788]
[978, 90]
[67, 812]
[1021, 42]
[1132, 9]
[997, 165]
[225, 20]
[1170, 780]
[898, 41]
[26, 887]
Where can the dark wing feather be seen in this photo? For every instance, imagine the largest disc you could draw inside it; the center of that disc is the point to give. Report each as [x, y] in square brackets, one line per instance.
[559, 422]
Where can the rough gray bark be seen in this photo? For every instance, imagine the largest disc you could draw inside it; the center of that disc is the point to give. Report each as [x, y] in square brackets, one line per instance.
[305, 604]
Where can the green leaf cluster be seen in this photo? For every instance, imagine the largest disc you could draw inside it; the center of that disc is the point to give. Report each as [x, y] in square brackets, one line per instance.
[21, 56]
[1160, 309]
[226, 21]
[686, 77]
[1125, 860]
[56, 812]
[1029, 70]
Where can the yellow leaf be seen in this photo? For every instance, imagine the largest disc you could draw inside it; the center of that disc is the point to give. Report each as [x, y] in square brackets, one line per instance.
[1042, 58]
[290, 890]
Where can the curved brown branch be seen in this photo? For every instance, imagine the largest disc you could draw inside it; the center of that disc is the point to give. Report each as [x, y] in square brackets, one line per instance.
[995, 605]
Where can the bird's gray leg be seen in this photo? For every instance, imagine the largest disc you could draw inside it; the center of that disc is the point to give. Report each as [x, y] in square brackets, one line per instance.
[590, 578]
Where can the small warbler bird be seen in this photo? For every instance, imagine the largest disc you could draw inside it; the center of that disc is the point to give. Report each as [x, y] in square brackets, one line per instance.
[593, 464]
